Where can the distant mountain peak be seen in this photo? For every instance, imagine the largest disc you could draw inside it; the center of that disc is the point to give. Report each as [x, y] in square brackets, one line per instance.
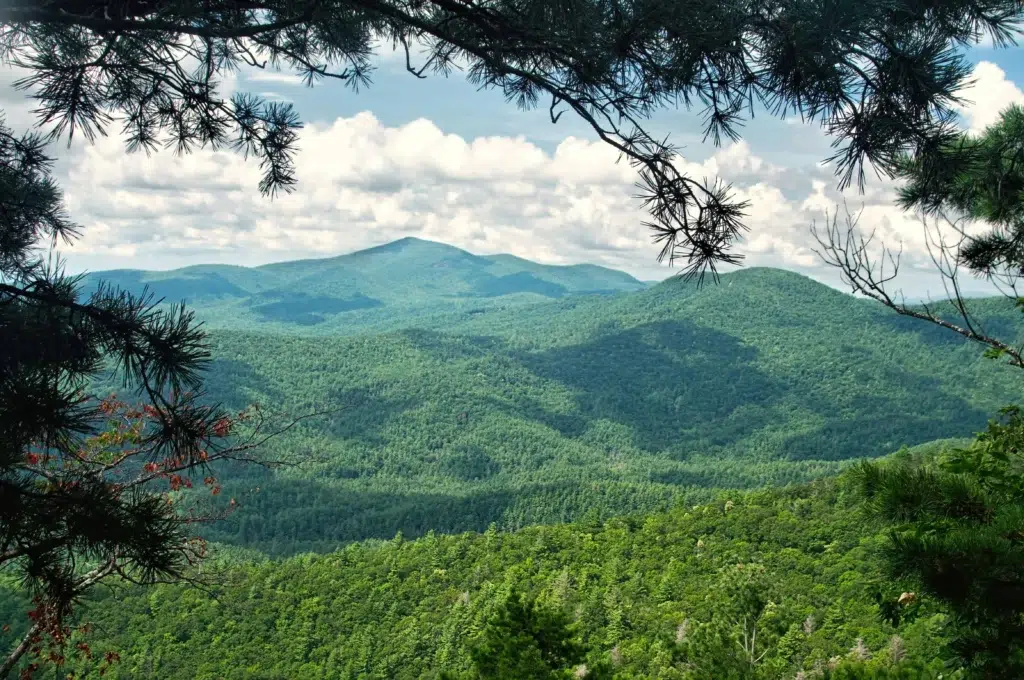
[392, 284]
[407, 242]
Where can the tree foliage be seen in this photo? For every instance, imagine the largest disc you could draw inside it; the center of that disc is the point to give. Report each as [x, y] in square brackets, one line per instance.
[880, 76]
[956, 531]
[956, 526]
[77, 501]
[979, 177]
[657, 595]
[525, 639]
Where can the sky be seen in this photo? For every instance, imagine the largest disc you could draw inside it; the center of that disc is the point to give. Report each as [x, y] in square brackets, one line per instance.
[439, 159]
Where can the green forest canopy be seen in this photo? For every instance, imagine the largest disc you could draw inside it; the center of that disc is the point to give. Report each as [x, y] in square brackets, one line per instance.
[634, 587]
[541, 410]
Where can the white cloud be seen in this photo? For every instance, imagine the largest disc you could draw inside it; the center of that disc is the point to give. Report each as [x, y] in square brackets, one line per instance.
[274, 96]
[362, 183]
[256, 75]
[989, 95]
[15, 104]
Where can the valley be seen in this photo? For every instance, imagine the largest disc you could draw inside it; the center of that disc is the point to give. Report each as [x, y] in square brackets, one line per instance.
[257, 424]
[543, 410]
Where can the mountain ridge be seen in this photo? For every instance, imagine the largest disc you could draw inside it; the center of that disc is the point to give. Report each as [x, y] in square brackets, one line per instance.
[544, 411]
[369, 289]
[533, 406]
[344, 258]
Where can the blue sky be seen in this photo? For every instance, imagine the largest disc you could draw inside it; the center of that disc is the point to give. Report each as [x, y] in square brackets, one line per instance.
[396, 98]
[439, 159]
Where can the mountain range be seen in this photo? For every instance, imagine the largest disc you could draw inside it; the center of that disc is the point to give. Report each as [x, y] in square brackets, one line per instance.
[478, 390]
[643, 458]
[389, 286]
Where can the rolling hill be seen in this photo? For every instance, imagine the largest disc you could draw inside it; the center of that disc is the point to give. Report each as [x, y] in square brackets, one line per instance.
[547, 410]
[389, 286]
[585, 422]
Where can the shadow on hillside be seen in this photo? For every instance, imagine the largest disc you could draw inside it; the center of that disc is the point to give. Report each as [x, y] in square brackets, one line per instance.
[683, 389]
[659, 379]
[236, 385]
[443, 347]
[520, 282]
[308, 310]
[288, 516]
[365, 413]
[172, 290]
[877, 433]
[901, 408]
[663, 380]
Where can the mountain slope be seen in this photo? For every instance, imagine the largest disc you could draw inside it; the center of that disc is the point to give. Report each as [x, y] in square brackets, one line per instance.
[381, 287]
[609, 404]
[636, 588]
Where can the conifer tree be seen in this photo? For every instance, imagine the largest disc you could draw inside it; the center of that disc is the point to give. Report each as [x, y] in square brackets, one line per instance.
[957, 534]
[525, 639]
[972, 180]
[78, 472]
[880, 76]
[957, 526]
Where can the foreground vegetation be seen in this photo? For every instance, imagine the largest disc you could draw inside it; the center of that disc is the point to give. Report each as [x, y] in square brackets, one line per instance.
[668, 595]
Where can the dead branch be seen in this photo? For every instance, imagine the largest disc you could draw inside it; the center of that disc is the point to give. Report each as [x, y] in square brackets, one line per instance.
[846, 249]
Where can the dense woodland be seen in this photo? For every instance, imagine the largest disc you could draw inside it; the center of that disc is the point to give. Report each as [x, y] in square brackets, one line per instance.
[602, 404]
[676, 429]
[646, 594]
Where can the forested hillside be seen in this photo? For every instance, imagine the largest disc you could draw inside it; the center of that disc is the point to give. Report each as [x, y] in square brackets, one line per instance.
[601, 404]
[647, 595]
[413, 461]
[406, 282]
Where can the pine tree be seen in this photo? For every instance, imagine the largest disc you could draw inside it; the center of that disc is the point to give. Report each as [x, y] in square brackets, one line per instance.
[957, 531]
[525, 639]
[957, 525]
[980, 177]
[78, 500]
[879, 75]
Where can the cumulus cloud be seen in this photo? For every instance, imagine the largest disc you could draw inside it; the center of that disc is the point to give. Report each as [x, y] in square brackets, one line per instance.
[990, 93]
[362, 183]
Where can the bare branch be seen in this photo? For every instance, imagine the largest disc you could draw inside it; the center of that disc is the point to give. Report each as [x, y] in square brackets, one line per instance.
[19, 651]
[847, 251]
